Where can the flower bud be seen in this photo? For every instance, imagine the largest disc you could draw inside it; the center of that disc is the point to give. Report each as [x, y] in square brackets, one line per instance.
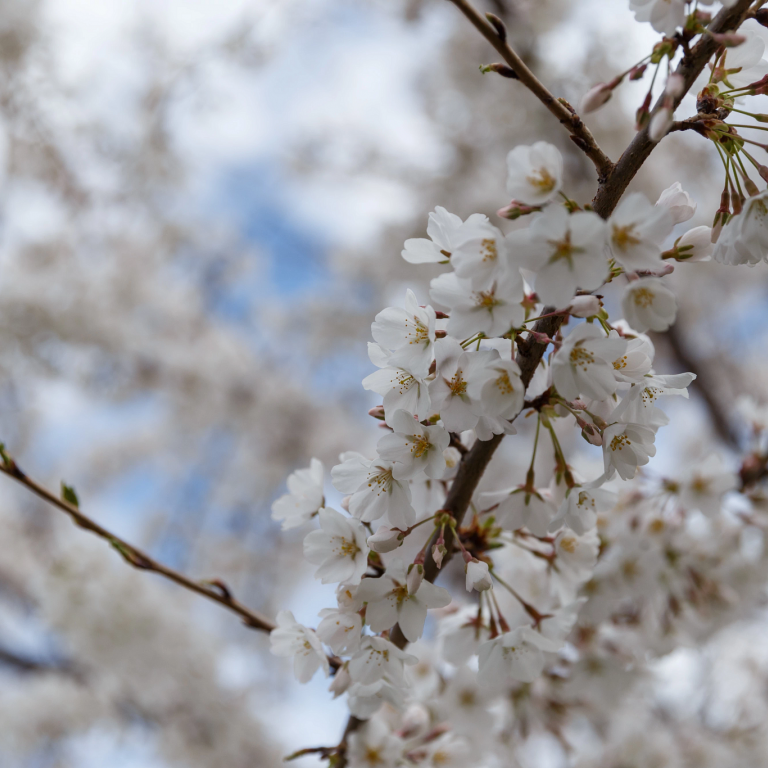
[678, 202]
[728, 39]
[695, 245]
[344, 504]
[516, 209]
[478, 576]
[385, 539]
[377, 412]
[414, 578]
[585, 306]
[439, 551]
[661, 122]
[341, 681]
[592, 435]
[675, 85]
[595, 97]
[636, 73]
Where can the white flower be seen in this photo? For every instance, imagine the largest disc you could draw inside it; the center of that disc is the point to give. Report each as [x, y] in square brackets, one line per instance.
[627, 447]
[339, 548]
[340, 629]
[385, 539]
[584, 363]
[492, 311]
[290, 638]
[567, 252]
[695, 245]
[639, 404]
[304, 497]
[389, 601]
[478, 576]
[409, 333]
[464, 704]
[480, 255]
[704, 485]
[516, 655]
[648, 304]
[534, 173]
[518, 509]
[579, 509]
[584, 306]
[364, 700]
[744, 239]
[637, 360]
[400, 386]
[660, 124]
[457, 387]
[678, 202]
[379, 658]
[375, 490]
[413, 447]
[637, 230]
[503, 394]
[374, 746]
[577, 555]
[444, 229]
[665, 16]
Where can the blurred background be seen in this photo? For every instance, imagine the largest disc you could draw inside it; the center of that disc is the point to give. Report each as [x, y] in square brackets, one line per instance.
[202, 207]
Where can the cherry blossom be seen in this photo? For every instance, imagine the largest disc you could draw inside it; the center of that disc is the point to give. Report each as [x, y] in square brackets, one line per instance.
[339, 548]
[478, 576]
[374, 746]
[293, 639]
[665, 16]
[492, 311]
[584, 364]
[516, 655]
[401, 387]
[580, 508]
[678, 202]
[566, 251]
[388, 600]
[375, 491]
[409, 333]
[744, 239]
[648, 304]
[414, 448]
[627, 447]
[378, 658]
[304, 497]
[637, 230]
[444, 229]
[534, 173]
[480, 255]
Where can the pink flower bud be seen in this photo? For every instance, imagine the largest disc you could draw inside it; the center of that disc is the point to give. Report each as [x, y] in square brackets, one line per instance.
[675, 85]
[661, 122]
[585, 306]
[595, 97]
[516, 209]
[341, 681]
[439, 551]
[591, 434]
[377, 412]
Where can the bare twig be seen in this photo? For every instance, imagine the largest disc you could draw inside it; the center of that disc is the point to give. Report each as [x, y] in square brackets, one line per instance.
[136, 557]
[580, 134]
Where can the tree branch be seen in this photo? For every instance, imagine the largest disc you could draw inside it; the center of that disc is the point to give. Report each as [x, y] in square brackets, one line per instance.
[565, 115]
[217, 592]
[691, 66]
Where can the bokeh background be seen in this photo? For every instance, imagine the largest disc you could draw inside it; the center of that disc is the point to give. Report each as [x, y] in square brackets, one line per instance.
[202, 206]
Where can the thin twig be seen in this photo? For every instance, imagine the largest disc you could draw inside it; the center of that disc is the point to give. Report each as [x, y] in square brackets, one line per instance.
[565, 115]
[136, 557]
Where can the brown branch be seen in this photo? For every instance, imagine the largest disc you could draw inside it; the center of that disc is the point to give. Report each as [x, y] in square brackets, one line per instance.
[691, 66]
[565, 115]
[134, 556]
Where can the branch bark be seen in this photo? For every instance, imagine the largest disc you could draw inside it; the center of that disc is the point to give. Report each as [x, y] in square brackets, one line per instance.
[565, 115]
[136, 557]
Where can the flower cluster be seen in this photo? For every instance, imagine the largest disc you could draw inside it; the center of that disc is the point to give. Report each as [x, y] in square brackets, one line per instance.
[449, 379]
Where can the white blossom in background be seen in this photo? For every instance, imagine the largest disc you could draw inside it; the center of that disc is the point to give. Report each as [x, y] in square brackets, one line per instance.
[648, 304]
[665, 16]
[566, 251]
[534, 173]
[414, 448]
[518, 508]
[304, 497]
[702, 487]
[375, 746]
[580, 508]
[339, 548]
[637, 361]
[515, 655]
[378, 658]
[744, 239]
[294, 639]
[444, 229]
[636, 231]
